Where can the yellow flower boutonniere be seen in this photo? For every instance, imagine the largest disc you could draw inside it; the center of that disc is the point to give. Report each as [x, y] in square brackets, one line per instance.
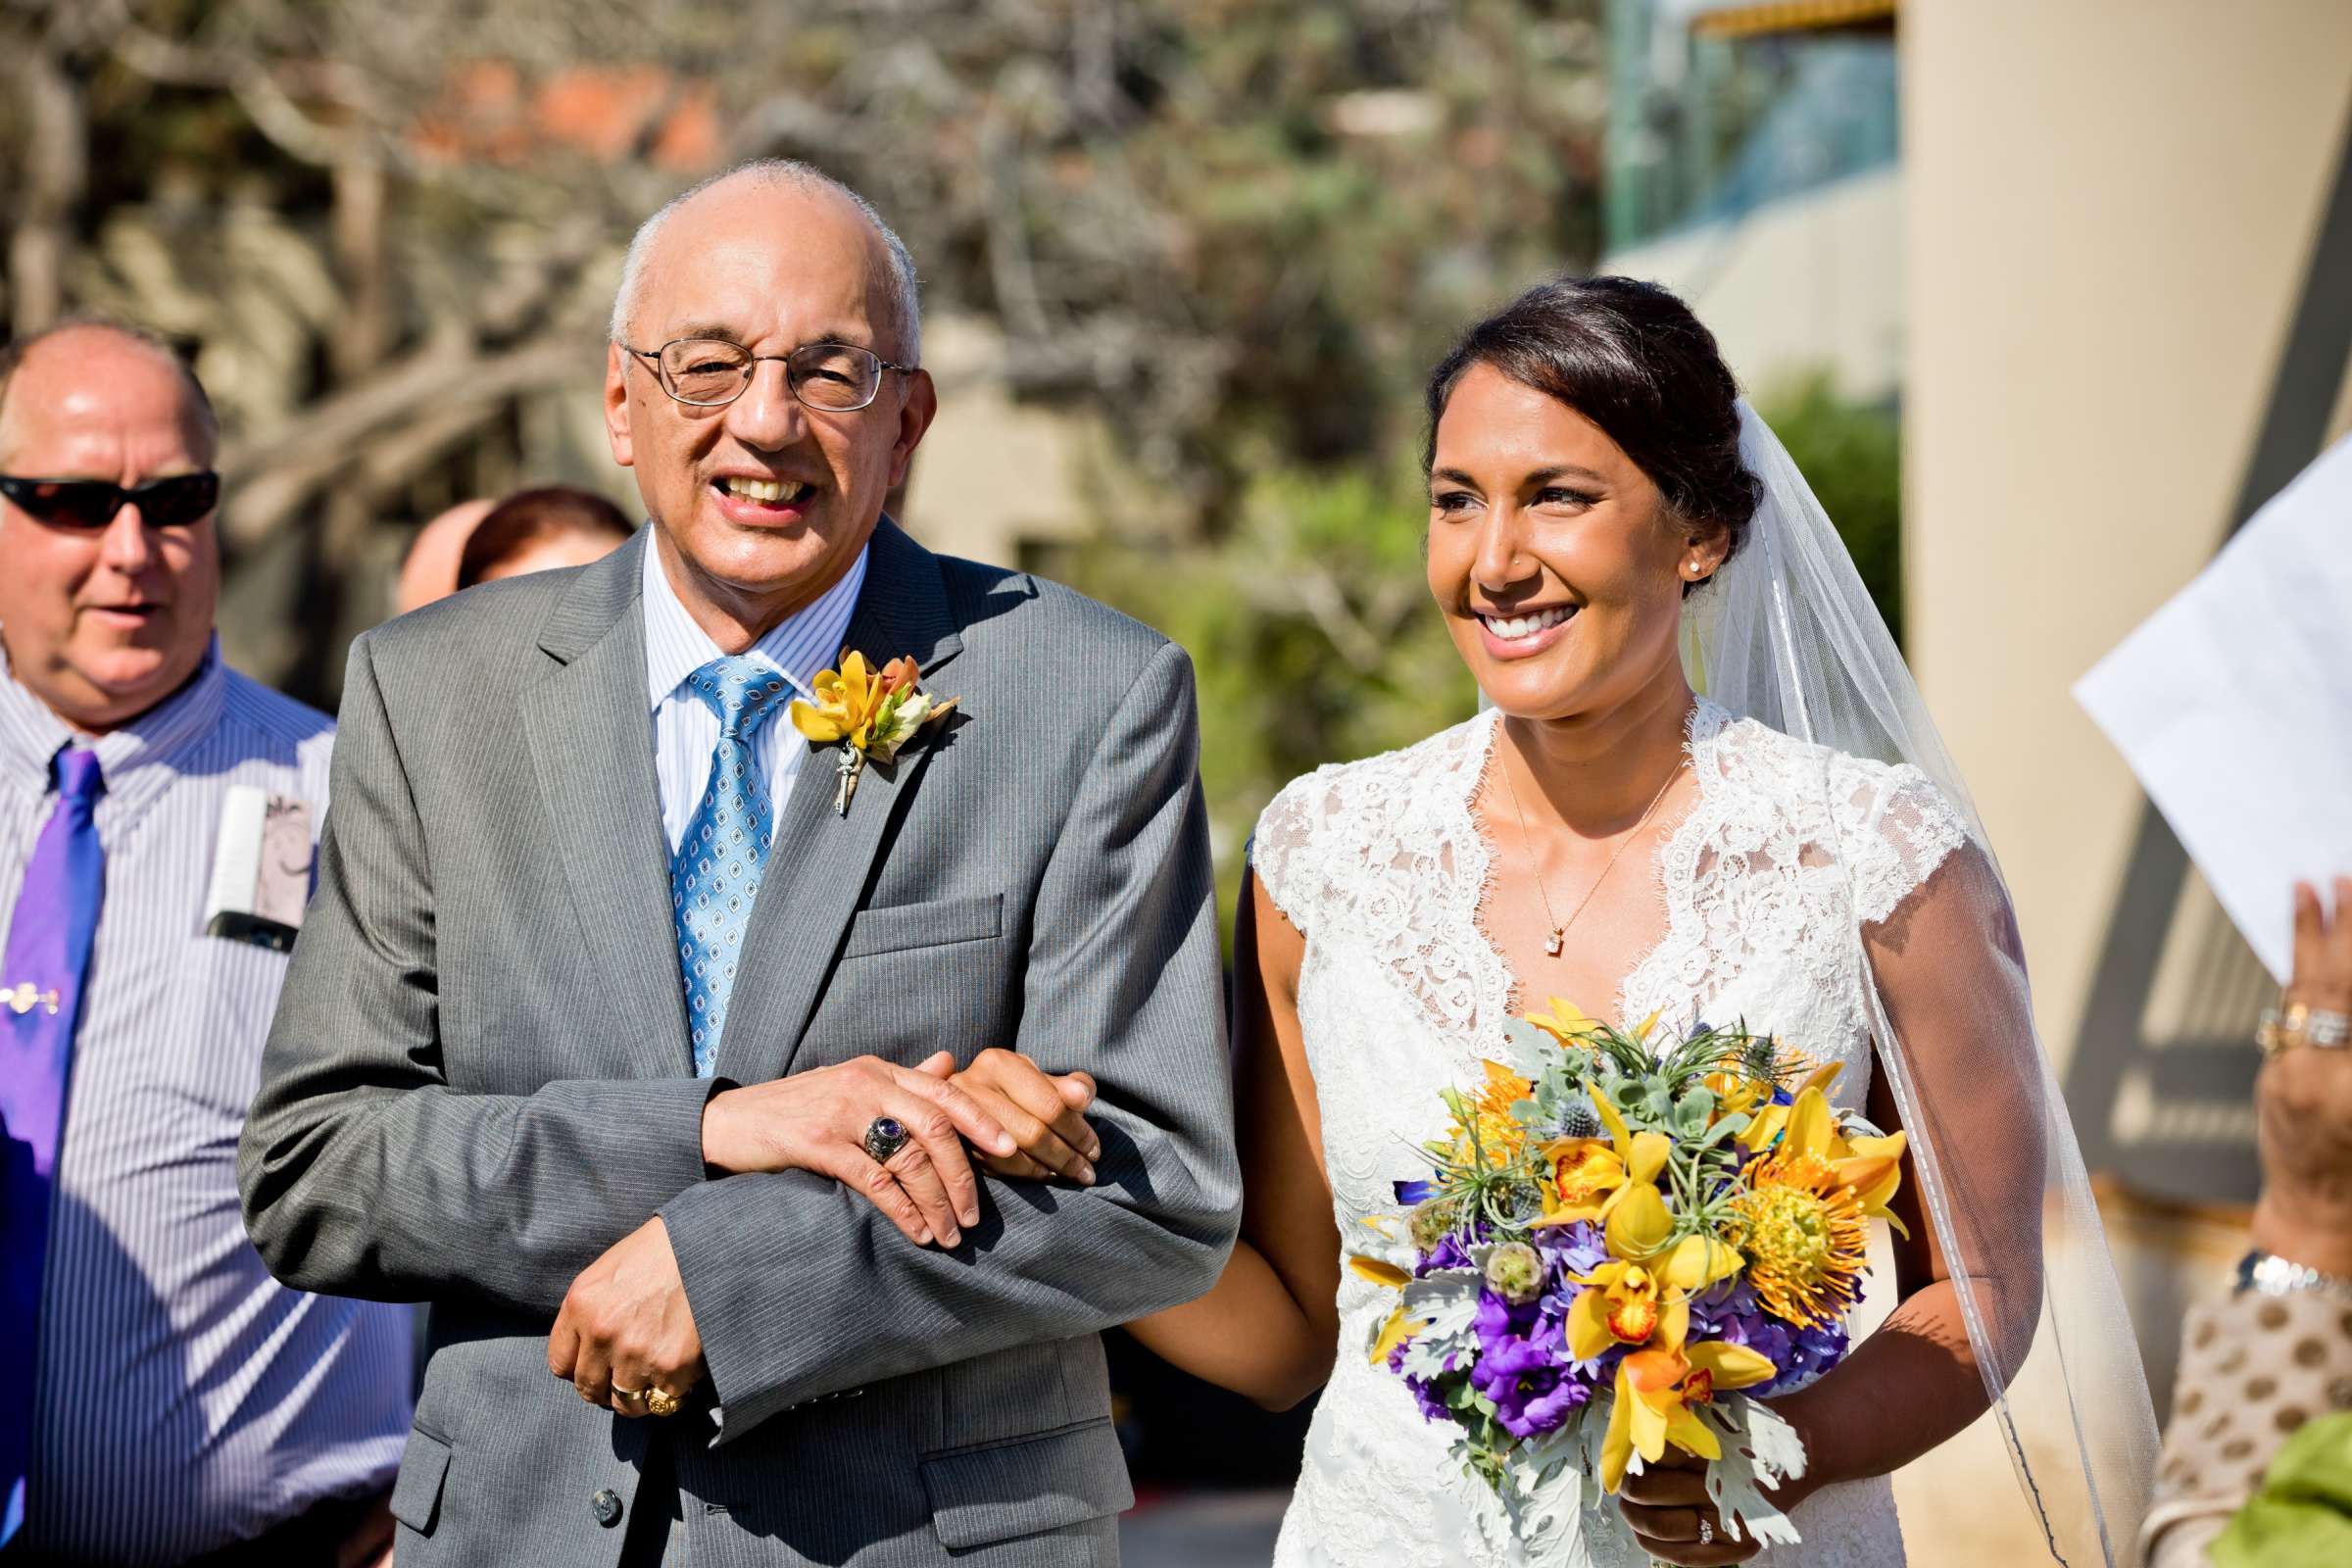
[869, 713]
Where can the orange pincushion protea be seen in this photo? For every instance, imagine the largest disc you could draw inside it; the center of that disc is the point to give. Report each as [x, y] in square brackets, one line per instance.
[1804, 1236]
[1497, 1129]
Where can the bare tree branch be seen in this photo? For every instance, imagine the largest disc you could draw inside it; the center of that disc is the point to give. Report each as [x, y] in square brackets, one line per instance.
[271, 482]
[56, 169]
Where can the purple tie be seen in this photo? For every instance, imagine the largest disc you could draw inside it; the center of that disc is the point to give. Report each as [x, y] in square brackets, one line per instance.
[40, 1002]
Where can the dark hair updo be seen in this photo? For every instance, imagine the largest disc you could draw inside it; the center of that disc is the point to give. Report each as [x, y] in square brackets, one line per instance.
[1630, 357]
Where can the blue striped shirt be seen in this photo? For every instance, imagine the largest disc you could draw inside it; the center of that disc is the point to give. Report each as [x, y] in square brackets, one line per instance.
[183, 1400]
[686, 731]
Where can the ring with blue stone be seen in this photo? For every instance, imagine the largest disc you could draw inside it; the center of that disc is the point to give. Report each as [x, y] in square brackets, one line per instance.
[885, 1135]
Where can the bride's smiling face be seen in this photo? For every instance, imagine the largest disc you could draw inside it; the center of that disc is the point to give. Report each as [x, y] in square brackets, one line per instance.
[1551, 553]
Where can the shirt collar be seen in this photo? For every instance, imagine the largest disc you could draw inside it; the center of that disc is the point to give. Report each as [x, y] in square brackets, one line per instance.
[31, 734]
[800, 645]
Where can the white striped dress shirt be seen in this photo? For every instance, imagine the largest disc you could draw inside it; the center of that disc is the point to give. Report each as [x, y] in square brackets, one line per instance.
[686, 731]
[183, 1400]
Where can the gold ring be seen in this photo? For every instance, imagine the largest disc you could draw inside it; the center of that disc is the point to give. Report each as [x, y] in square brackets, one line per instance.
[661, 1402]
[2299, 1023]
[619, 1393]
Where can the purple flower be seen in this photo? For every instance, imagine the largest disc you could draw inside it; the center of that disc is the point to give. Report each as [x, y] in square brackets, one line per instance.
[1498, 1322]
[1426, 1392]
[1448, 1253]
[1575, 1252]
[1427, 1396]
[1531, 1391]
[1732, 1313]
[1575, 1249]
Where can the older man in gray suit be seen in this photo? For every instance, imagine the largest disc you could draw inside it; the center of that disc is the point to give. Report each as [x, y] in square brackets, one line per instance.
[613, 1029]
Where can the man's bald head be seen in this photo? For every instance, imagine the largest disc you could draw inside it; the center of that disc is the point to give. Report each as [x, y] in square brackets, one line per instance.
[105, 335]
[104, 620]
[899, 321]
[761, 502]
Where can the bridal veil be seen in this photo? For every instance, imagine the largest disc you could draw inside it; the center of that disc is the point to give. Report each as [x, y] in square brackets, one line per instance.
[1785, 633]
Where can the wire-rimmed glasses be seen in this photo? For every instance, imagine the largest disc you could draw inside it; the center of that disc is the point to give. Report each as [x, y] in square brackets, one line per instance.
[707, 373]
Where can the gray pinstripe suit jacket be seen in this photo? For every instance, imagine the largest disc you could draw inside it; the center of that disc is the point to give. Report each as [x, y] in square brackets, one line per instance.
[479, 1077]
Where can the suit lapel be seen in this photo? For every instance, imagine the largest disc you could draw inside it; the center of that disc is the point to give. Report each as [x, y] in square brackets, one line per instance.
[589, 726]
[819, 862]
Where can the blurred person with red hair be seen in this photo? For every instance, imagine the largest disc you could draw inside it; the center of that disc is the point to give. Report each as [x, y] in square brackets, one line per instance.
[538, 530]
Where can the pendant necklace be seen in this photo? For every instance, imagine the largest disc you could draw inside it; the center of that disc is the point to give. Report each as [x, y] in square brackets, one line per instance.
[1558, 939]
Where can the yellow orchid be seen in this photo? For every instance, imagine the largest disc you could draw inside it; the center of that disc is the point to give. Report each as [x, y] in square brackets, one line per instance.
[1770, 1121]
[1637, 1231]
[1736, 1091]
[1623, 1303]
[1750, 1071]
[1645, 1292]
[1657, 1390]
[1380, 1258]
[1638, 1221]
[1394, 1332]
[1751, 1067]
[1566, 1023]
[846, 703]
[870, 714]
[1698, 1261]
[1590, 1177]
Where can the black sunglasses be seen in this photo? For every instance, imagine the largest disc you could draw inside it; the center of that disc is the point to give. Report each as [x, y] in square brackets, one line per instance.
[171, 503]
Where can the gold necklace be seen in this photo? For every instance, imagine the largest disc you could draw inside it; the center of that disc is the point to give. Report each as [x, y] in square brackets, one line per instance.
[1553, 944]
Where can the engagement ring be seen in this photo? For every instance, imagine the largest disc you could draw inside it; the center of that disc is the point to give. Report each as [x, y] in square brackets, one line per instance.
[1706, 1532]
[885, 1135]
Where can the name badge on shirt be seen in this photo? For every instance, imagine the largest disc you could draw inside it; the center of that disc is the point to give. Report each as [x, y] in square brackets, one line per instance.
[261, 868]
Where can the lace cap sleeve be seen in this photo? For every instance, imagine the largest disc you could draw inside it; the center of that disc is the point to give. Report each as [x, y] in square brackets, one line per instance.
[1286, 850]
[1897, 828]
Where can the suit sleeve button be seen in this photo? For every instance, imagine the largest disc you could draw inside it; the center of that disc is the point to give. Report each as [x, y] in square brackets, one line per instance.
[605, 1505]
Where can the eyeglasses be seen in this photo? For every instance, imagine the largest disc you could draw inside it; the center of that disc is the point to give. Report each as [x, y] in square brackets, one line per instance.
[173, 503]
[709, 371]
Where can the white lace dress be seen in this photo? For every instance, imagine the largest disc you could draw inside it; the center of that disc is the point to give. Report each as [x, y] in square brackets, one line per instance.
[1382, 866]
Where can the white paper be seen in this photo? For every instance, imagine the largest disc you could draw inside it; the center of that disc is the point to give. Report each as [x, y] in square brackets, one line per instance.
[2233, 706]
[261, 859]
[237, 850]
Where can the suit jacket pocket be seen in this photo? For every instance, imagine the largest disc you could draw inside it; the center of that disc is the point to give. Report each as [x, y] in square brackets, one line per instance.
[417, 1495]
[925, 925]
[1044, 1481]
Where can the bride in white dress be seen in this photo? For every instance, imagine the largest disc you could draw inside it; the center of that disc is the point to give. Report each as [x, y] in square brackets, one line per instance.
[1604, 515]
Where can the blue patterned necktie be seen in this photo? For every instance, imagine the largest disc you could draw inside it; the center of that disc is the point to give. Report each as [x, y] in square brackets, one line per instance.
[48, 954]
[715, 873]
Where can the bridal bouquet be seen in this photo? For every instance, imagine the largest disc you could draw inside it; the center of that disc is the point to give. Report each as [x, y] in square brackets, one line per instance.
[1623, 1245]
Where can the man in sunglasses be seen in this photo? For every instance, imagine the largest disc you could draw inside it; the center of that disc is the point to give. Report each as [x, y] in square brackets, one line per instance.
[162, 1398]
[622, 1024]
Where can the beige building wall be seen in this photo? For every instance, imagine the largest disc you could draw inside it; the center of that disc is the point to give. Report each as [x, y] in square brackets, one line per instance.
[2111, 215]
[995, 475]
[2113, 209]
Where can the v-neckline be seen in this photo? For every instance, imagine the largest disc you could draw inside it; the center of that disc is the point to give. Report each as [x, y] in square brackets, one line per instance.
[1515, 991]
